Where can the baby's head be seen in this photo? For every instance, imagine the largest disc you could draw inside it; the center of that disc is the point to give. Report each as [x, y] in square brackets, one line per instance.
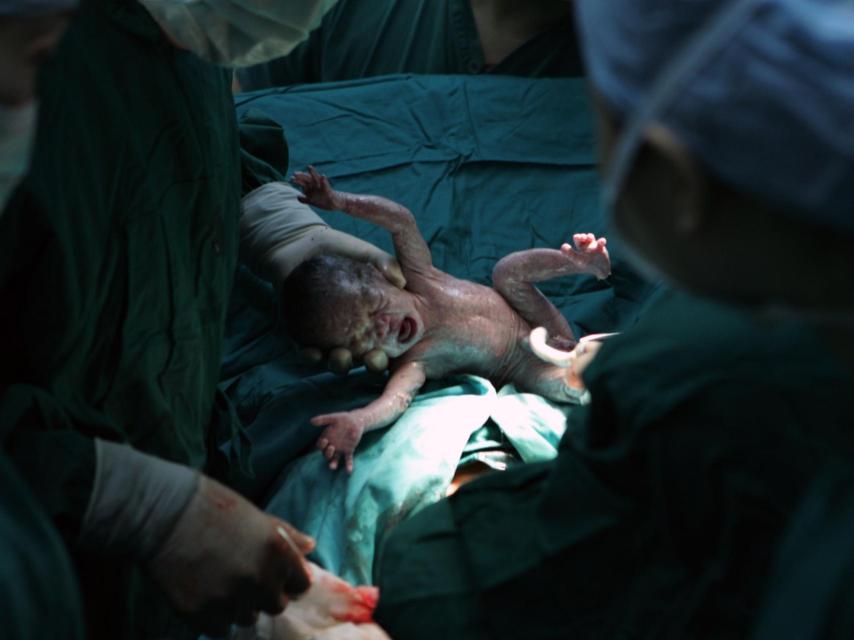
[332, 301]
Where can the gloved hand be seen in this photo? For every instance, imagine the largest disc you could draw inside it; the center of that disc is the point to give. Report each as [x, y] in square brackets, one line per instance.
[225, 560]
[218, 559]
[278, 232]
[341, 360]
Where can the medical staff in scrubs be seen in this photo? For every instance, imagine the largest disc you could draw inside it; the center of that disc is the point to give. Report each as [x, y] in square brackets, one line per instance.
[39, 596]
[118, 255]
[533, 39]
[812, 593]
[729, 162]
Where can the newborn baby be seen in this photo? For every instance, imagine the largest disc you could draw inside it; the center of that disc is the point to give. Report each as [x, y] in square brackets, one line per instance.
[437, 325]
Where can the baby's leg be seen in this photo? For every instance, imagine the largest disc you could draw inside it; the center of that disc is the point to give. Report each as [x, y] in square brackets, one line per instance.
[514, 277]
[550, 382]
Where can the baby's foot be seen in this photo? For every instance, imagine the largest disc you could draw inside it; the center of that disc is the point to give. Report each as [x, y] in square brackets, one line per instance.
[590, 253]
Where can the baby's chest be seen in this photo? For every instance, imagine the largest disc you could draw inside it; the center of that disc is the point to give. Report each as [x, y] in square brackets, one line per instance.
[465, 352]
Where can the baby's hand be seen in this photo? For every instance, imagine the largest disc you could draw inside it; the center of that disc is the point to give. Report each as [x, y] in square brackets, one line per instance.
[317, 190]
[340, 437]
[590, 253]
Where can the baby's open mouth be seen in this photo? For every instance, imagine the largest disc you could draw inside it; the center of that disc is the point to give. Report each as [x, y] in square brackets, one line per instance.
[407, 330]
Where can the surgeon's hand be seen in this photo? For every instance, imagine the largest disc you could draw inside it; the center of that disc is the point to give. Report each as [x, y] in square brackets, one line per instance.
[225, 561]
[341, 360]
[386, 264]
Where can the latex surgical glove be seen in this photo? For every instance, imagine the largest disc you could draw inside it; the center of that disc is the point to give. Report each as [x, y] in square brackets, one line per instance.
[225, 561]
[330, 609]
[341, 360]
[575, 361]
[218, 559]
[585, 352]
[278, 233]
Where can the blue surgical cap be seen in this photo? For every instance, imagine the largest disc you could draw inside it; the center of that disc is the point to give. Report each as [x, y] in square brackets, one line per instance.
[762, 91]
[24, 8]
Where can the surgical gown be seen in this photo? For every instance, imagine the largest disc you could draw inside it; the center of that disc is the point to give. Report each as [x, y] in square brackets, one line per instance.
[660, 515]
[358, 40]
[39, 597]
[118, 255]
[813, 587]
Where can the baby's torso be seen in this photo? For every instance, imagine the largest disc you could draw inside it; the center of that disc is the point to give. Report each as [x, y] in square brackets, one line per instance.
[474, 331]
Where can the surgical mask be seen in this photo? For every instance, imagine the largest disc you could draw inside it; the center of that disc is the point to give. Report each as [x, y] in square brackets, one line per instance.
[17, 133]
[238, 33]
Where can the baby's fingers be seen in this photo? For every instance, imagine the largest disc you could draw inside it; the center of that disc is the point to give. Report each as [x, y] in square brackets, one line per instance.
[301, 179]
[323, 420]
[582, 240]
[329, 454]
[316, 177]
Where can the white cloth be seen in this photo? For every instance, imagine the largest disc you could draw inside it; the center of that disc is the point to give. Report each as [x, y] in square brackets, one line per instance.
[238, 33]
[331, 609]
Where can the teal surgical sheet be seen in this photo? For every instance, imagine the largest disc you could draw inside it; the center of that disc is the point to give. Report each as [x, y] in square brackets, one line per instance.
[488, 165]
[400, 470]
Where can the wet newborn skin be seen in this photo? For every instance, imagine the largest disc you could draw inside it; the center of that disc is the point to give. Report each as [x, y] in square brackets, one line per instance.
[439, 324]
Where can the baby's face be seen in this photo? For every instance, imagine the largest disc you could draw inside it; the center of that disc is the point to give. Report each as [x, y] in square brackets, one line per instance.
[384, 318]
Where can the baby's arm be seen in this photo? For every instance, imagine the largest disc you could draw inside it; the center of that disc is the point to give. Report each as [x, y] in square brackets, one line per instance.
[514, 277]
[412, 251]
[345, 428]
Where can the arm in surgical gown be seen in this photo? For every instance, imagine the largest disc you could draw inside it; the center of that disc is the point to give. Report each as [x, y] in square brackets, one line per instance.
[118, 255]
